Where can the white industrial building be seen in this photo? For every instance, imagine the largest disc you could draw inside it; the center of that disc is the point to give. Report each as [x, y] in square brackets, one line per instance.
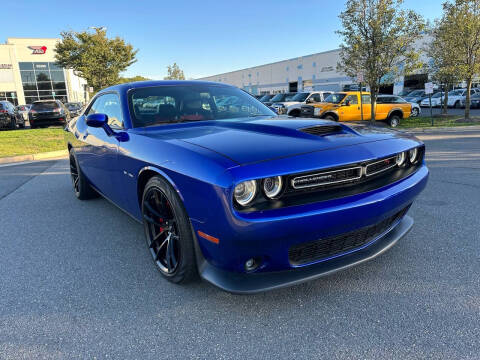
[306, 73]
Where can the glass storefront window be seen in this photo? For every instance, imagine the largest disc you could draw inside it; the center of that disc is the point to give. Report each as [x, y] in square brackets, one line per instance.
[40, 66]
[44, 85]
[57, 76]
[59, 85]
[25, 66]
[9, 96]
[42, 76]
[40, 79]
[29, 86]
[28, 76]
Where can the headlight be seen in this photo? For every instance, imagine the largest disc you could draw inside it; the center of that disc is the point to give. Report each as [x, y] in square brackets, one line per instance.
[413, 155]
[245, 192]
[272, 186]
[401, 158]
[317, 111]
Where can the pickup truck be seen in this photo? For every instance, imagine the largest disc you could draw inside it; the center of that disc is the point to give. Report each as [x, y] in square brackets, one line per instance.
[345, 106]
[293, 106]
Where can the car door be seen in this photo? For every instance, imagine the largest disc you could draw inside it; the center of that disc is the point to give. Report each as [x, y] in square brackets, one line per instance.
[98, 157]
[367, 106]
[350, 109]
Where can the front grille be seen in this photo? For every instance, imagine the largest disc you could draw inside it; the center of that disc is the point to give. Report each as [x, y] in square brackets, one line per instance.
[381, 165]
[322, 129]
[325, 248]
[327, 178]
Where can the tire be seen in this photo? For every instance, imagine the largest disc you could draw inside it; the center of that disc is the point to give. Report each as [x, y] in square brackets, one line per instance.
[168, 232]
[414, 112]
[457, 105]
[394, 120]
[22, 125]
[294, 113]
[81, 187]
[330, 117]
[13, 123]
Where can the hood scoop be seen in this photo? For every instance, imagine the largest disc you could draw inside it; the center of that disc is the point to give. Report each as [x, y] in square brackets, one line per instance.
[321, 130]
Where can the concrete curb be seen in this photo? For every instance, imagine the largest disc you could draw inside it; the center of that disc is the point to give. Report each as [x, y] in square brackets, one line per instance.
[454, 129]
[41, 156]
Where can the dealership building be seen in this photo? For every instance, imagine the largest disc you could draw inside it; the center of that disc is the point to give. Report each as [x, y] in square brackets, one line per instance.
[28, 73]
[314, 72]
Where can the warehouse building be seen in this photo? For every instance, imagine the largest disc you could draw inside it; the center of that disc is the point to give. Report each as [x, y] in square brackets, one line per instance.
[306, 73]
[28, 73]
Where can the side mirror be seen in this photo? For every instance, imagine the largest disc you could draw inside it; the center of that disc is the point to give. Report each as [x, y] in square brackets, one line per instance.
[101, 121]
[97, 120]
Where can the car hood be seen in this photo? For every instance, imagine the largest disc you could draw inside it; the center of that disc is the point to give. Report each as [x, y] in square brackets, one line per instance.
[249, 141]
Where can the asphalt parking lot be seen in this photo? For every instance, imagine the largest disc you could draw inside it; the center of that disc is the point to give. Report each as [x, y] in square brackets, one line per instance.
[77, 282]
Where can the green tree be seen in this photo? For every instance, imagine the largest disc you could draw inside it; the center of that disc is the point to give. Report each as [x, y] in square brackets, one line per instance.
[378, 41]
[123, 80]
[442, 64]
[174, 73]
[95, 57]
[460, 30]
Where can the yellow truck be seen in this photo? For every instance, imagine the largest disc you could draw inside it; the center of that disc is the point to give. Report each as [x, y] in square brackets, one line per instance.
[346, 106]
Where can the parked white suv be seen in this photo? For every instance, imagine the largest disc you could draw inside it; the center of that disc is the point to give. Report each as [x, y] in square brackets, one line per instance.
[457, 97]
[293, 106]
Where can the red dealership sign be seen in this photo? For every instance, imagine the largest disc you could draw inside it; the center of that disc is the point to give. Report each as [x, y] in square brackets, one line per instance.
[38, 49]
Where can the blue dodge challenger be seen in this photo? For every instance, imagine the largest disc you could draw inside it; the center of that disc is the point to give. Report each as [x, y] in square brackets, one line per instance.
[228, 190]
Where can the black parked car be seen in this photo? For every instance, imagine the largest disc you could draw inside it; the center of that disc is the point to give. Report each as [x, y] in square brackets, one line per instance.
[9, 116]
[48, 112]
[75, 108]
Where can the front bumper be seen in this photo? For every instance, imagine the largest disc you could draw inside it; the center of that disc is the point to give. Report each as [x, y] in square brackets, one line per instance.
[242, 283]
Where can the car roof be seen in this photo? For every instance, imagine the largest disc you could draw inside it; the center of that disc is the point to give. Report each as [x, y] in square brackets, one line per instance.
[151, 83]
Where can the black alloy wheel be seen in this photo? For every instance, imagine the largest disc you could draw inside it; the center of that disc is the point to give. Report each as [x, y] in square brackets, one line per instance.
[168, 233]
[13, 123]
[74, 175]
[81, 187]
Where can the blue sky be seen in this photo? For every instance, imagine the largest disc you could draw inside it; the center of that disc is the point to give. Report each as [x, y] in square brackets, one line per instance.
[204, 37]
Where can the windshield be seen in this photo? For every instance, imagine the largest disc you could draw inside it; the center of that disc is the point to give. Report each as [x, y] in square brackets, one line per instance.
[170, 104]
[335, 98]
[404, 93]
[265, 97]
[300, 97]
[416, 93]
[437, 95]
[47, 105]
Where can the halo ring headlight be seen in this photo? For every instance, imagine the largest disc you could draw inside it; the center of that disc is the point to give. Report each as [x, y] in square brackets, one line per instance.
[401, 158]
[272, 186]
[245, 192]
[413, 155]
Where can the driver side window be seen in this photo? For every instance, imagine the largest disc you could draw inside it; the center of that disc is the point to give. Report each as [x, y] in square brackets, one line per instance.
[108, 104]
[352, 99]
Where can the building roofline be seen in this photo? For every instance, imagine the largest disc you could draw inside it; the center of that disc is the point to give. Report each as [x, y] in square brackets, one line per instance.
[272, 63]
